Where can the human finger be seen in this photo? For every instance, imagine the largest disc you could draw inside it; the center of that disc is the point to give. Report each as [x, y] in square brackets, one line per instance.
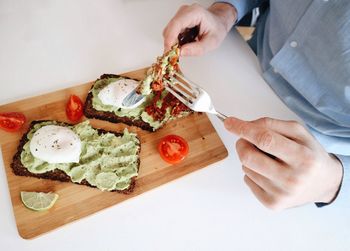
[258, 161]
[259, 193]
[266, 140]
[185, 17]
[266, 184]
[290, 129]
[268, 200]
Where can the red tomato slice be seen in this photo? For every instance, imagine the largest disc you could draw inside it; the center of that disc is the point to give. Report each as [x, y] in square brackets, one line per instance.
[12, 121]
[74, 108]
[173, 148]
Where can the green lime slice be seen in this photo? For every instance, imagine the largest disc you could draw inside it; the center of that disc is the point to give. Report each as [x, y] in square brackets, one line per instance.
[38, 201]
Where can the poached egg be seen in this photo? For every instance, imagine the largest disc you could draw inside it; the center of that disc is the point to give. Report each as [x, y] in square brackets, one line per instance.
[56, 144]
[114, 93]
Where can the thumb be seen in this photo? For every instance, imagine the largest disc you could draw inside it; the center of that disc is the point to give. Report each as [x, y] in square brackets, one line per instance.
[232, 124]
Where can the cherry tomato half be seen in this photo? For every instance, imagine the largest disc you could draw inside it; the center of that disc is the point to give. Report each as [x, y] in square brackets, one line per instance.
[173, 148]
[12, 121]
[74, 108]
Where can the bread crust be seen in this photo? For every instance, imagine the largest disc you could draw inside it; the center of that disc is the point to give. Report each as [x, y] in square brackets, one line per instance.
[20, 170]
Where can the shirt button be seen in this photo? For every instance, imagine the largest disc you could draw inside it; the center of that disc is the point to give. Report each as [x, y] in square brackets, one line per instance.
[274, 70]
[293, 44]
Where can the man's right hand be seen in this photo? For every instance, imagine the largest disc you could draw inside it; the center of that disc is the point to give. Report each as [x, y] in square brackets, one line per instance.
[214, 22]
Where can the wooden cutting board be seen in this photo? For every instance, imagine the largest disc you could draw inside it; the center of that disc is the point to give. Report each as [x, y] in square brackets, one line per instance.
[77, 201]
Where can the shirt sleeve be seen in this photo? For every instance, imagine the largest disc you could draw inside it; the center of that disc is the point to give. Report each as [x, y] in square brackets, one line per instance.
[342, 198]
[243, 6]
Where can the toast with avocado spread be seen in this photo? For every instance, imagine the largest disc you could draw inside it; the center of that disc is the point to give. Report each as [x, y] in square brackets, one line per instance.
[79, 154]
[104, 100]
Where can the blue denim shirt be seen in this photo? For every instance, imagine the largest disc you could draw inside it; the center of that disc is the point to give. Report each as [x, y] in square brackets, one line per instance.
[304, 50]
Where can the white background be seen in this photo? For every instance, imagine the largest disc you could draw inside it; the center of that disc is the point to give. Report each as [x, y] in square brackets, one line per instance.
[49, 45]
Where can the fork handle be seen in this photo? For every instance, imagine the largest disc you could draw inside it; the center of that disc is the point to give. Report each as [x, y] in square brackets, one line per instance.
[221, 116]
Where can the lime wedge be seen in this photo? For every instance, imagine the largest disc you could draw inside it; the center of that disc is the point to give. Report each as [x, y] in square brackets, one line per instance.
[38, 201]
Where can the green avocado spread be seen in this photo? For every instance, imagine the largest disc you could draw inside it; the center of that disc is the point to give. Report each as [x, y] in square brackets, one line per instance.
[166, 65]
[121, 112]
[106, 161]
[135, 113]
[158, 70]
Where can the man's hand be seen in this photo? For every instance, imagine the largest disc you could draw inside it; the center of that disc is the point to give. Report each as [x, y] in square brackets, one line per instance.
[214, 22]
[284, 165]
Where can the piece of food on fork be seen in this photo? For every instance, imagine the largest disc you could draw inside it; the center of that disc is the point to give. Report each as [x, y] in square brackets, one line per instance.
[192, 95]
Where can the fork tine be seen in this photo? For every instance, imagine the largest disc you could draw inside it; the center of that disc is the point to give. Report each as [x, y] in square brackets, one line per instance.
[189, 82]
[174, 81]
[181, 92]
[182, 98]
[179, 97]
[200, 102]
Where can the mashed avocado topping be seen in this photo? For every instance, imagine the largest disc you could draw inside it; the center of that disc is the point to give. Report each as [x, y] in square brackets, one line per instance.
[106, 161]
[159, 106]
[165, 67]
[135, 113]
[121, 112]
[154, 123]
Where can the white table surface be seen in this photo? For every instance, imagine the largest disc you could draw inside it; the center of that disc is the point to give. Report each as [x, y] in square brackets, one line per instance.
[49, 45]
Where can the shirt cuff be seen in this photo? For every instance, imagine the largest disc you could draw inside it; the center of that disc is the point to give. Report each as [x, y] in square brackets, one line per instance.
[342, 198]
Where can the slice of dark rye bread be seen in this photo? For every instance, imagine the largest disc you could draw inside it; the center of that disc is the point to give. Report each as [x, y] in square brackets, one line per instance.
[57, 174]
[91, 112]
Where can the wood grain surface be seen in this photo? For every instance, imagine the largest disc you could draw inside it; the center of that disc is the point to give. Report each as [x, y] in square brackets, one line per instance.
[77, 201]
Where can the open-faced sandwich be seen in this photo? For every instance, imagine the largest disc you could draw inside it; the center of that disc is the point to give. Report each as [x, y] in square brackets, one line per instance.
[80, 154]
[106, 96]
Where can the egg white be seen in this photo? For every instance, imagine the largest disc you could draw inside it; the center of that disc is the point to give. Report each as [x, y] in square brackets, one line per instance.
[114, 93]
[56, 144]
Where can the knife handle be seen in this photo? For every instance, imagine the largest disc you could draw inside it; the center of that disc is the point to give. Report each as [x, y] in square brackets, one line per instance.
[189, 35]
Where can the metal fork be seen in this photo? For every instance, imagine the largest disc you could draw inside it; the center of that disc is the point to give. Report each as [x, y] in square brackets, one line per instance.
[192, 95]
